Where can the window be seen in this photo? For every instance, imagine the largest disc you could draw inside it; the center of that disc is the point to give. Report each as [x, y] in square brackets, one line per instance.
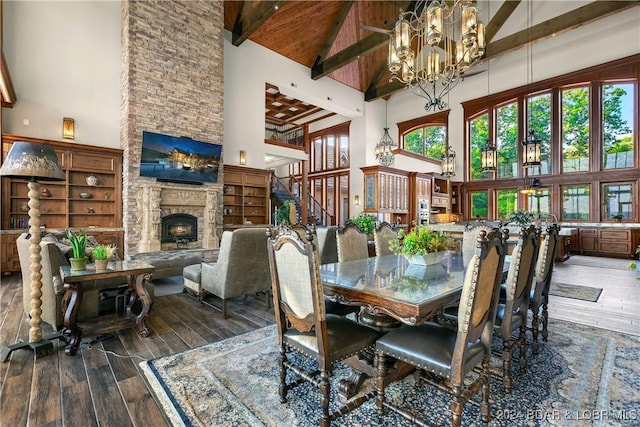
[539, 202]
[617, 126]
[539, 120]
[507, 203]
[429, 141]
[587, 125]
[425, 136]
[617, 201]
[507, 140]
[479, 132]
[479, 204]
[575, 129]
[575, 202]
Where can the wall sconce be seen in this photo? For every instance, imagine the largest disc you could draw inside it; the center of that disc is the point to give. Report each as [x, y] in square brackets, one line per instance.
[243, 157]
[489, 159]
[531, 150]
[67, 128]
[448, 162]
[356, 200]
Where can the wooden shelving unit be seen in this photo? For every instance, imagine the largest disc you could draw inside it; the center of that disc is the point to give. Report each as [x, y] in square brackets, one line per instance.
[61, 205]
[386, 194]
[246, 196]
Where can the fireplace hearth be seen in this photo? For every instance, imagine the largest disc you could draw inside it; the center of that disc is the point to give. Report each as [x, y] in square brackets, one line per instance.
[179, 228]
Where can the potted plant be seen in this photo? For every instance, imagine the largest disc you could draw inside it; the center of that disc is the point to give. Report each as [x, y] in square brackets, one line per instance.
[364, 223]
[423, 245]
[618, 217]
[521, 217]
[634, 264]
[282, 214]
[78, 243]
[102, 254]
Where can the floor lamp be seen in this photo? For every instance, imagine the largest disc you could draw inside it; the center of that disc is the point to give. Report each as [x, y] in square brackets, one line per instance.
[34, 162]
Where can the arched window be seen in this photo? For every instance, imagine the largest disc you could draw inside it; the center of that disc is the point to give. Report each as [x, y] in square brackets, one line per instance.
[425, 136]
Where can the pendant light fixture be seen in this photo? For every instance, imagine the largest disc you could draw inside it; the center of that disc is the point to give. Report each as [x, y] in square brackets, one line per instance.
[489, 154]
[448, 162]
[531, 151]
[384, 148]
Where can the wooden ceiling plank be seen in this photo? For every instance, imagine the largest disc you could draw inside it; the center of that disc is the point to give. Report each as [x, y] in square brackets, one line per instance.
[248, 22]
[498, 20]
[335, 29]
[348, 55]
[584, 15]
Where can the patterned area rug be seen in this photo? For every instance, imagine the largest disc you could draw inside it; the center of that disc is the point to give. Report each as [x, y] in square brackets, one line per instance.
[582, 376]
[567, 290]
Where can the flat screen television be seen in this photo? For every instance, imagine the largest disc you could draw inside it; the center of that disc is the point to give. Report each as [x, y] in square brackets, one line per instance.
[179, 159]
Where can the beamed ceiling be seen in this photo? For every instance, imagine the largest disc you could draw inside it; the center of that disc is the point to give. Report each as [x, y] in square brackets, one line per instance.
[325, 35]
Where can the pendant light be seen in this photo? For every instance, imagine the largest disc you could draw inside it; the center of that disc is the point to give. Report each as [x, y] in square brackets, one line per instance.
[384, 148]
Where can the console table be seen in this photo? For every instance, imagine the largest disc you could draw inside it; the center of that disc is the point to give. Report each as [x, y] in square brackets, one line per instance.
[77, 281]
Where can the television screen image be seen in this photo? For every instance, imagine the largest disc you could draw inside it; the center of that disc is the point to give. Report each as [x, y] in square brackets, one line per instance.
[179, 159]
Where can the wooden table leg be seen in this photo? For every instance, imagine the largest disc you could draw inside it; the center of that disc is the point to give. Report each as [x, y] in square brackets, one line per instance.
[142, 293]
[72, 300]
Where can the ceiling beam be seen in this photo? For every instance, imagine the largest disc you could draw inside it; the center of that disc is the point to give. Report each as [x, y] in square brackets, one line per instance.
[584, 15]
[568, 21]
[335, 29]
[7, 92]
[247, 22]
[348, 55]
[498, 20]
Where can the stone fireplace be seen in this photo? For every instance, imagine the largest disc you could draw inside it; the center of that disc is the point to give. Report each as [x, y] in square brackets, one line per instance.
[168, 212]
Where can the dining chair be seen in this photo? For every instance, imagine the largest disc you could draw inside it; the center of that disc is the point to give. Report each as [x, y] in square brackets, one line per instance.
[352, 243]
[511, 316]
[445, 356]
[539, 301]
[304, 327]
[383, 234]
[333, 307]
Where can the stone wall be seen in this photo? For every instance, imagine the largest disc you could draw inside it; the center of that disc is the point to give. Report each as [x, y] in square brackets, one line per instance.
[172, 83]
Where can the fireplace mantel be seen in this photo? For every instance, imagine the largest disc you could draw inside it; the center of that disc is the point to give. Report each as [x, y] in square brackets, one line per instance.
[154, 201]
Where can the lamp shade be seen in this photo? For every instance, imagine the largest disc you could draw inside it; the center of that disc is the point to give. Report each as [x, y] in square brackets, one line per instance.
[33, 161]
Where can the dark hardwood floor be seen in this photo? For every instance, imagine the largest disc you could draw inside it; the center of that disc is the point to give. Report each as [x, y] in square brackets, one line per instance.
[102, 385]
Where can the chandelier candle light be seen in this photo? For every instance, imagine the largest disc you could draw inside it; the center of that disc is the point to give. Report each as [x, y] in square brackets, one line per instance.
[449, 162]
[384, 148]
[450, 40]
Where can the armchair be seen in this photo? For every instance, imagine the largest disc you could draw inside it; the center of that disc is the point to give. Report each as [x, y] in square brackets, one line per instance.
[242, 267]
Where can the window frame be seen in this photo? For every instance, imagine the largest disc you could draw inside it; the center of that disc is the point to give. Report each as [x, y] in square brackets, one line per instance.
[437, 119]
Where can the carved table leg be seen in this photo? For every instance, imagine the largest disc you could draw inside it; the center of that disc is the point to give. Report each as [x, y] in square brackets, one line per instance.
[72, 333]
[142, 293]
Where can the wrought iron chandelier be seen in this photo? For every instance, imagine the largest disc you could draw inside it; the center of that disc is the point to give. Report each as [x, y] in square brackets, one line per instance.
[450, 40]
[531, 150]
[384, 148]
[489, 157]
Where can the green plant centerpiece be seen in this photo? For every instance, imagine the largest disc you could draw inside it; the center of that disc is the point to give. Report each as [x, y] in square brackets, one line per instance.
[364, 223]
[521, 217]
[102, 254]
[78, 243]
[634, 264]
[282, 214]
[423, 245]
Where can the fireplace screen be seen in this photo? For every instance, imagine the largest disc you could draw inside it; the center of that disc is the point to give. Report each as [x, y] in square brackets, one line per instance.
[179, 228]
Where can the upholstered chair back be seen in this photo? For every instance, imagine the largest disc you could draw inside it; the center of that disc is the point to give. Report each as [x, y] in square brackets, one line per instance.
[544, 265]
[352, 244]
[469, 241]
[383, 235]
[479, 298]
[327, 244]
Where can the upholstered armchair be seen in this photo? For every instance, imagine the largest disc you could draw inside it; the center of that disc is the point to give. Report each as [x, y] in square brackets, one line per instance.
[52, 286]
[242, 267]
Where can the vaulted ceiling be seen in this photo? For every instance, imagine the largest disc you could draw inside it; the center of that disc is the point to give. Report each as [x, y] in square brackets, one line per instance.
[326, 36]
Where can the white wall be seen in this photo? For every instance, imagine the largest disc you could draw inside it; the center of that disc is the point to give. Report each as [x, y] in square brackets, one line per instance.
[64, 59]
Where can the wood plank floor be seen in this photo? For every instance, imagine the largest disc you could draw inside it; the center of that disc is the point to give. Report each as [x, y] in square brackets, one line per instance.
[102, 384]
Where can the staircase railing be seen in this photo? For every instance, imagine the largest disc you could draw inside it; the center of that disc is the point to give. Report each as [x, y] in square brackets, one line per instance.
[316, 212]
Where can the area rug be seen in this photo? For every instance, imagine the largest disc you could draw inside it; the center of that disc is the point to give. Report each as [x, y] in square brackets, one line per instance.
[582, 376]
[599, 262]
[567, 290]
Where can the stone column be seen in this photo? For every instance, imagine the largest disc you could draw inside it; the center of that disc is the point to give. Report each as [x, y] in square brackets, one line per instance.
[210, 239]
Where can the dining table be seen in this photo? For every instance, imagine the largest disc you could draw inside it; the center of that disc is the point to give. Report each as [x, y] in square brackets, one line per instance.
[391, 291]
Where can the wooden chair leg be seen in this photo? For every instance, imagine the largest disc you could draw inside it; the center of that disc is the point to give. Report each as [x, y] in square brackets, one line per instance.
[324, 402]
[224, 309]
[379, 363]
[506, 364]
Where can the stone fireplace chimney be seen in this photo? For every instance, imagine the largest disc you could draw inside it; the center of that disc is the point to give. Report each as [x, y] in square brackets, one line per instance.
[172, 83]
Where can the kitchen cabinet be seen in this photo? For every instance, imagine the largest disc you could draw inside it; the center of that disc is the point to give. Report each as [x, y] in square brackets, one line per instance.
[386, 194]
[615, 242]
